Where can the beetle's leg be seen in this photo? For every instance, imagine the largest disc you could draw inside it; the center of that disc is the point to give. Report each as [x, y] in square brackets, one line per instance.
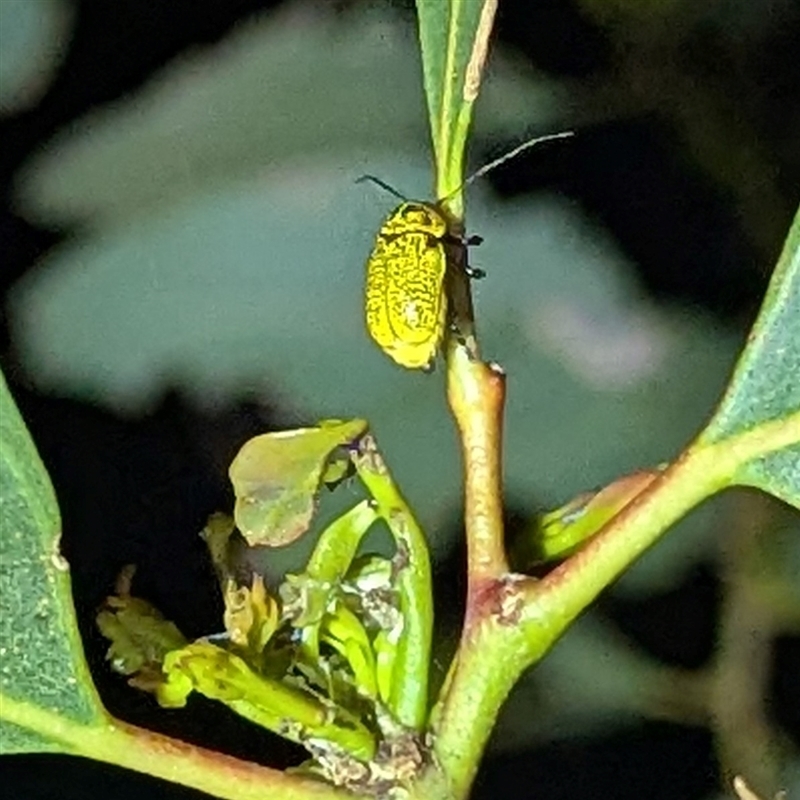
[429, 367]
[465, 241]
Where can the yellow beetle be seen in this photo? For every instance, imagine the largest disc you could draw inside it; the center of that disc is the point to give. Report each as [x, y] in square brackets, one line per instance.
[405, 299]
[405, 302]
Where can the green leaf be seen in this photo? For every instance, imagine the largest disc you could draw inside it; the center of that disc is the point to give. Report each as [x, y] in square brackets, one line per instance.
[276, 477]
[777, 473]
[346, 634]
[285, 709]
[251, 616]
[765, 388]
[409, 683]
[41, 656]
[454, 40]
[306, 596]
[560, 532]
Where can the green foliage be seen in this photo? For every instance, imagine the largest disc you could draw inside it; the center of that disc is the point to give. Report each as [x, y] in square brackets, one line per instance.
[41, 658]
[338, 660]
[559, 533]
[140, 636]
[273, 704]
[454, 40]
[765, 386]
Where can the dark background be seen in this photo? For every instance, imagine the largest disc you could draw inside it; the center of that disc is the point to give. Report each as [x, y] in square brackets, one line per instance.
[136, 490]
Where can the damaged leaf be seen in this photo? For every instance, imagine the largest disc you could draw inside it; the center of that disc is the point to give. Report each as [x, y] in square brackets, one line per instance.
[251, 615]
[276, 478]
[140, 636]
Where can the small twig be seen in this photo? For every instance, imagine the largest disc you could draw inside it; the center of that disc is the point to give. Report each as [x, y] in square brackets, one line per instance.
[744, 738]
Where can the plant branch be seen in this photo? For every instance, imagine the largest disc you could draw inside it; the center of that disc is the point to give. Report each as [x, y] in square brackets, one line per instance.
[517, 619]
[476, 393]
[701, 471]
[744, 739]
[125, 745]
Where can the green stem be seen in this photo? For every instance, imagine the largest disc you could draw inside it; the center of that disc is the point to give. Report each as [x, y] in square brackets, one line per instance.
[517, 619]
[121, 744]
[476, 393]
[409, 695]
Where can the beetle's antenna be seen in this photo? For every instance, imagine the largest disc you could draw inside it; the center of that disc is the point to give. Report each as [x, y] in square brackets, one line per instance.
[513, 153]
[382, 184]
[480, 172]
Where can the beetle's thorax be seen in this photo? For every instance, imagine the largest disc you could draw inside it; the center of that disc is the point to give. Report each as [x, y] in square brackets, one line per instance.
[415, 216]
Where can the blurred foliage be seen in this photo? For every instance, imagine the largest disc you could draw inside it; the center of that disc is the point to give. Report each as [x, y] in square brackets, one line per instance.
[33, 39]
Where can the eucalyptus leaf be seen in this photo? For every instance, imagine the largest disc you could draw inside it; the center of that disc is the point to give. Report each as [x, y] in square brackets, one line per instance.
[294, 713]
[140, 636]
[559, 533]
[33, 41]
[765, 387]
[446, 34]
[41, 657]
